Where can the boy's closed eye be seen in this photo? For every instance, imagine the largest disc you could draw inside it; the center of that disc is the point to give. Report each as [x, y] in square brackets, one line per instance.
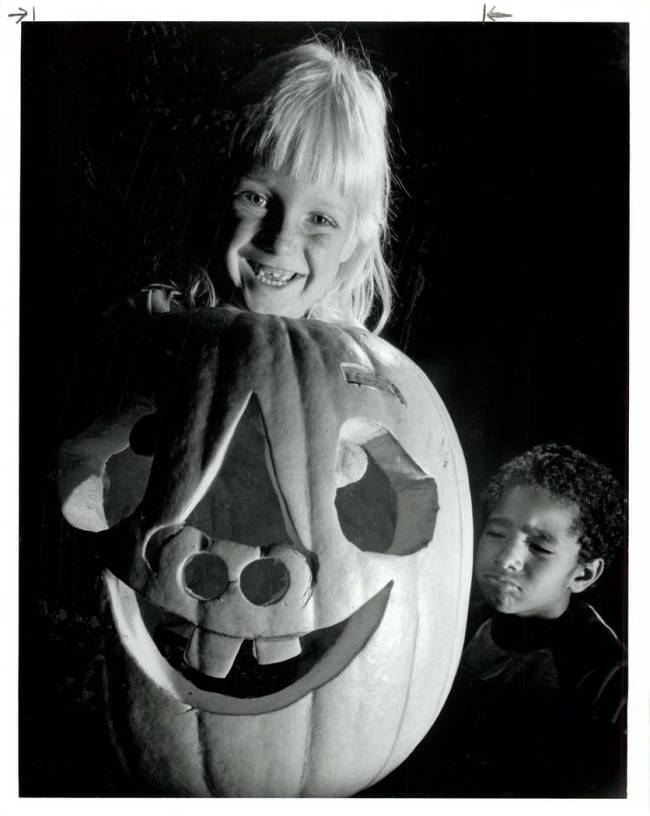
[494, 532]
[539, 547]
[540, 543]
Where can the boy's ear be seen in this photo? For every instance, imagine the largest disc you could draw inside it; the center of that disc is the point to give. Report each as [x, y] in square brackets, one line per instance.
[586, 574]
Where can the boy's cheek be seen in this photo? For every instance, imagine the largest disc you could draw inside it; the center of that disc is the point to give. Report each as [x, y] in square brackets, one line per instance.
[482, 553]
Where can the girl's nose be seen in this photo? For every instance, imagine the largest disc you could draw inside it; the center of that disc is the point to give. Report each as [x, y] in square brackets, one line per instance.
[278, 234]
[285, 241]
[510, 556]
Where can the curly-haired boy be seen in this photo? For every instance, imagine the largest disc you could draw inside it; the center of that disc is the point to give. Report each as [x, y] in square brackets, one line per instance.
[548, 671]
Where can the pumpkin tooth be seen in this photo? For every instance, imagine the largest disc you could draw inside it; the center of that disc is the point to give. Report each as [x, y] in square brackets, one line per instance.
[211, 653]
[275, 650]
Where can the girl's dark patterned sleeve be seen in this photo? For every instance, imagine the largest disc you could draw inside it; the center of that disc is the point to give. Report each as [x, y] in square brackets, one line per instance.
[153, 299]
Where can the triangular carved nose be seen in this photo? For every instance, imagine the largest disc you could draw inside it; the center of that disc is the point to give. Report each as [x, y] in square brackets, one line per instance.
[242, 503]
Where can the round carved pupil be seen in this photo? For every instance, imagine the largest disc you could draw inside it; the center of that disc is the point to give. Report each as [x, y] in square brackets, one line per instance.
[206, 576]
[264, 581]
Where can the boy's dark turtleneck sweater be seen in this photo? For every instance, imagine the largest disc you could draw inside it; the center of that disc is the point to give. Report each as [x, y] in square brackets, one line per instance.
[529, 634]
[576, 653]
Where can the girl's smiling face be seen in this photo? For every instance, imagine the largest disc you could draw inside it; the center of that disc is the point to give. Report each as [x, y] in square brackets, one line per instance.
[288, 241]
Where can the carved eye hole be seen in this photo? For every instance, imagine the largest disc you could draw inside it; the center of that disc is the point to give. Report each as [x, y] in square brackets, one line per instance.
[127, 472]
[385, 502]
[144, 435]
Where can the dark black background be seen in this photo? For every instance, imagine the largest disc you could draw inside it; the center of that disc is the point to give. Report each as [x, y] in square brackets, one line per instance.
[510, 248]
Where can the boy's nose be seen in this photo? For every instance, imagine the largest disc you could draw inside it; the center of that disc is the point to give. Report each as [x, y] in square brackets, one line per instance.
[510, 556]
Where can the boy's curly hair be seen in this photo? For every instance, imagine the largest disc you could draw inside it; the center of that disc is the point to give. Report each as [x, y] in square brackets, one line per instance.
[570, 476]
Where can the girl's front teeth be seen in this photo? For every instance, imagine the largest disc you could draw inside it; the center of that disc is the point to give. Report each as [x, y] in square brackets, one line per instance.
[273, 277]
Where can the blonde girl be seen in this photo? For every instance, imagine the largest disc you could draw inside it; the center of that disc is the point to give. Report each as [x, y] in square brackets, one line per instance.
[304, 230]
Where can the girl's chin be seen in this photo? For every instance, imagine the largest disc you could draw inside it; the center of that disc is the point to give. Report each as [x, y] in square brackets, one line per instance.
[253, 296]
[272, 302]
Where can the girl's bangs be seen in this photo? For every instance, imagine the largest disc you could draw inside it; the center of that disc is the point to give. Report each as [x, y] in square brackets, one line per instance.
[317, 146]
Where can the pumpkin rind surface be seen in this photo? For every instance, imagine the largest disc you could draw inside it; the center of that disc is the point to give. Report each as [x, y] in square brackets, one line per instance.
[267, 429]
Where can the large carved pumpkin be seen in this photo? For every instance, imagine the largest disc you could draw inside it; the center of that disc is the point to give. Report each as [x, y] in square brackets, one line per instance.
[288, 574]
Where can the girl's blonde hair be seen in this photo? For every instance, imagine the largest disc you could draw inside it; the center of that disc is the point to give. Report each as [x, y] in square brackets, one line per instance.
[319, 113]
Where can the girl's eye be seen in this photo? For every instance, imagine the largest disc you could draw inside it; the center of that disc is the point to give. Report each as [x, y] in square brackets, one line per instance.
[495, 533]
[320, 220]
[252, 197]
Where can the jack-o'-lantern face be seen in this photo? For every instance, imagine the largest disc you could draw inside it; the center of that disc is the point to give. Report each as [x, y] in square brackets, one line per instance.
[304, 535]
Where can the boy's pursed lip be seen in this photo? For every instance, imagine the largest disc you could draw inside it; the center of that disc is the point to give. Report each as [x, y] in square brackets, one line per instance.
[497, 579]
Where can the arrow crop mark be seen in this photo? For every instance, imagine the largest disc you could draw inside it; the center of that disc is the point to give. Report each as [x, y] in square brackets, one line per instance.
[495, 15]
[21, 14]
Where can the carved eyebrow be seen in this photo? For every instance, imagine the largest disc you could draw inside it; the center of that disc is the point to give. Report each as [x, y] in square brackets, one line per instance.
[363, 376]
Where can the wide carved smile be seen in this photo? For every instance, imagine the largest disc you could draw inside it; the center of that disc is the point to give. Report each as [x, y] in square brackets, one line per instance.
[166, 647]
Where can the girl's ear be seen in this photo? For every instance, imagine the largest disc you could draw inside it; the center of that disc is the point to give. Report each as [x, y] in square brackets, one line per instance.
[353, 254]
[586, 574]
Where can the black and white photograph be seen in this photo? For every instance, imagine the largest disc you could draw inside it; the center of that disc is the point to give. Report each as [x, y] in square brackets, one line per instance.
[324, 408]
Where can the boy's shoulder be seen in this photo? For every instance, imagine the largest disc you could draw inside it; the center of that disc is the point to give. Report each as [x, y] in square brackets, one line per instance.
[592, 660]
[584, 630]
